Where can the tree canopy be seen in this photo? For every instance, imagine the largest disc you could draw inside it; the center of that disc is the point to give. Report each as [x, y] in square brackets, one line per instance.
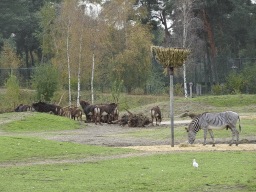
[117, 35]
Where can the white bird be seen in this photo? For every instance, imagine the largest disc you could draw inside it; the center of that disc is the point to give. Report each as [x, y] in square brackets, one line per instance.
[195, 164]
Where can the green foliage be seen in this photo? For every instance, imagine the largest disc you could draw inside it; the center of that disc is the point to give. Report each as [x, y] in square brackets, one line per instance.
[216, 89]
[11, 96]
[234, 83]
[132, 64]
[155, 83]
[250, 78]
[45, 81]
[47, 16]
[123, 102]
[73, 83]
[179, 90]
[116, 90]
[8, 57]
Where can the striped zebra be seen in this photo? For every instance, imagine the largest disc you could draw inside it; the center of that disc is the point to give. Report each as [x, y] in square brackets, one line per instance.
[214, 121]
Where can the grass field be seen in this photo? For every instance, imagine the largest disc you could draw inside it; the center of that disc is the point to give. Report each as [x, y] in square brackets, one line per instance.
[17, 149]
[218, 171]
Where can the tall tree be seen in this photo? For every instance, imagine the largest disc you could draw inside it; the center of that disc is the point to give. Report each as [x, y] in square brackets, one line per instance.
[159, 14]
[8, 57]
[226, 28]
[185, 25]
[131, 41]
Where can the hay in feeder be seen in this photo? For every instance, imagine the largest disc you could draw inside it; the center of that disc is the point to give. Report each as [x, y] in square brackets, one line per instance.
[171, 57]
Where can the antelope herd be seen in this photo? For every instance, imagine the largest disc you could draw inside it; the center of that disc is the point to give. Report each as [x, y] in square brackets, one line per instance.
[98, 113]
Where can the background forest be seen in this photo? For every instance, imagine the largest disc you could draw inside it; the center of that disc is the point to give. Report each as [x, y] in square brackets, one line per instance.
[103, 45]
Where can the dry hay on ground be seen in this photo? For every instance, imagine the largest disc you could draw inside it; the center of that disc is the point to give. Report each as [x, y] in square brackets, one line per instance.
[196, 147]
[133, 120]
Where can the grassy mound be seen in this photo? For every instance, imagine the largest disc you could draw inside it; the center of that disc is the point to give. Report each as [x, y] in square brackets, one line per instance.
[36, 122]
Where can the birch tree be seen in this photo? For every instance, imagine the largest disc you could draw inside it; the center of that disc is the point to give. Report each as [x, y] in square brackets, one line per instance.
[130, 43]
[185, 26]
[82, 16]
[64, 25]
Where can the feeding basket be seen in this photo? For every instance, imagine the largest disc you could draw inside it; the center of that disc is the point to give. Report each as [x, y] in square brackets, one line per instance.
[171, 57]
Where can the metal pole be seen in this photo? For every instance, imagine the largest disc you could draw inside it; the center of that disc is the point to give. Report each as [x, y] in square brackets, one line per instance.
[171, 105]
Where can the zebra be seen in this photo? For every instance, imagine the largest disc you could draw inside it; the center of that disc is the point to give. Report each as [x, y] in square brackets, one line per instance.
[214, 121]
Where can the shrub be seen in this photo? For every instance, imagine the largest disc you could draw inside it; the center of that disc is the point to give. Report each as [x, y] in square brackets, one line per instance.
[11, 96]
[216, 89]
[179, 90]
[234, 83]
[116, 90]
[73, 83]
[45, 81]
[250, 78]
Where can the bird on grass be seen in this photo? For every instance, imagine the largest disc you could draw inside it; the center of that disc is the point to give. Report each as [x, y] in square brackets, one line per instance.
[195, 164]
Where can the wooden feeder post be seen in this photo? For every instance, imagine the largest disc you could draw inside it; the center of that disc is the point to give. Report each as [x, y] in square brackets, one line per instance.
[171, 58]
[171, 104]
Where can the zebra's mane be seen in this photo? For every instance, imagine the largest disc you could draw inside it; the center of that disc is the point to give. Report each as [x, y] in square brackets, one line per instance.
[196, 118]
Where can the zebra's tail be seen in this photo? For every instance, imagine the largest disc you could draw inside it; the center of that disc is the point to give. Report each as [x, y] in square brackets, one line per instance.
[240, 128]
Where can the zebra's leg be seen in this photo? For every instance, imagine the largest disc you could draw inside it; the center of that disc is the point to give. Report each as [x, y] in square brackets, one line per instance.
[211, 133]
[234, 132]
[237, 135]
[205, 136]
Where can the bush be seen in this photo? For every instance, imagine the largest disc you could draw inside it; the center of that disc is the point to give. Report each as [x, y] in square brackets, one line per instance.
[45, 81]
[216, 89]
[179, 90]
[11, 96]
[250, 78]
[116, 90]
[73, 83]
[234, 83]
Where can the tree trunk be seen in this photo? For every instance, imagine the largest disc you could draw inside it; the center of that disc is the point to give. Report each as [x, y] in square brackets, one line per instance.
[183, 46]
[185, 81]
[167, 33]
[206, 75]
[212, 46]
[26, 52]
[92, 77]
[32, 57]
[79, 64]
[69, 88]
[78, 74]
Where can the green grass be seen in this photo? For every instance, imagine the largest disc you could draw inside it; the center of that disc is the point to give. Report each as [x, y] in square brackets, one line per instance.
[27, 149]
[38, 122]
[226, 100]
[218, 171]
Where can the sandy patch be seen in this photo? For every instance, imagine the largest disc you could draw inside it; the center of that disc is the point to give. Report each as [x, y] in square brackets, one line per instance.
[197, 147]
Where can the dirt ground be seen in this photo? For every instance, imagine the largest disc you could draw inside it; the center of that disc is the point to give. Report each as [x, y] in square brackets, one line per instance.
[111, 135]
